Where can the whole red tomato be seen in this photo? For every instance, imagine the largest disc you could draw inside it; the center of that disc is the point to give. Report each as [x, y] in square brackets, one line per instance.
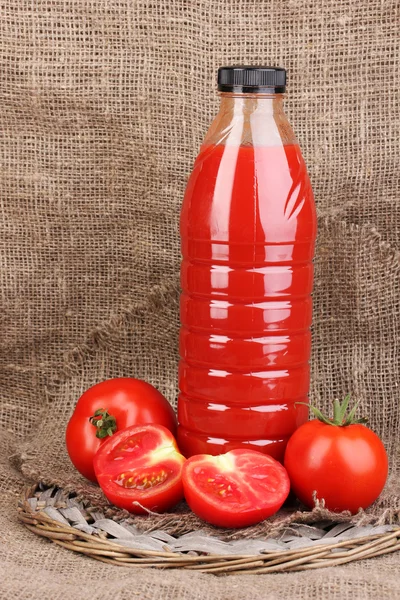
[338, 460]
[140, 468]
[108, 407]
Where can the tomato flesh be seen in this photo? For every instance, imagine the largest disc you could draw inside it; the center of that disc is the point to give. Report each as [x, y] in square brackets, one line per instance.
[131, 401]
[346, 466]
[236, 489]
[142, 479]
[140, 468]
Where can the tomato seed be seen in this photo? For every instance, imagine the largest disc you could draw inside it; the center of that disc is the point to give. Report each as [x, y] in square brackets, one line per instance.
[142, 482]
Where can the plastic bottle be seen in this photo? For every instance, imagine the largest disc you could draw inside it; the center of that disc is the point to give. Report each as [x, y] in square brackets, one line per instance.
[248, 229]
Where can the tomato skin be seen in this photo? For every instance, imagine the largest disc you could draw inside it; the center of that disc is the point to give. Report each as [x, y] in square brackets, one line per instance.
[346, 466]
[141, 453]
[236, 489]
[131, 401]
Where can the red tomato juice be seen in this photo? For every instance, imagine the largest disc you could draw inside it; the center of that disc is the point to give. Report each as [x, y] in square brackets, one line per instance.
[248, 229]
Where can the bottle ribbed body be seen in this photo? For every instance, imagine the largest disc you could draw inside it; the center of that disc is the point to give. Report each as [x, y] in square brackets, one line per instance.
[248, 229]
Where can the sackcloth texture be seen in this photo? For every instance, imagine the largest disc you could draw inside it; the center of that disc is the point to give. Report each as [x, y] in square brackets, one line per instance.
[103, 106]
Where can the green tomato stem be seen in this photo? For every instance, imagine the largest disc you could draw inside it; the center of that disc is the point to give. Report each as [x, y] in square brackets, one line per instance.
[106, 424]
[340, 419]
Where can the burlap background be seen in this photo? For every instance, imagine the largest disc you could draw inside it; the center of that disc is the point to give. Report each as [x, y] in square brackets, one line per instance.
[103, 106]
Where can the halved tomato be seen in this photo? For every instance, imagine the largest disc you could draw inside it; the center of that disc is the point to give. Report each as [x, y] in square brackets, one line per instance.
[140, 468]
[236, 489]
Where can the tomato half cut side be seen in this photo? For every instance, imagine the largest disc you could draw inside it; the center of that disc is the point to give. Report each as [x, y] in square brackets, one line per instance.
[140, 468]
[236, 489]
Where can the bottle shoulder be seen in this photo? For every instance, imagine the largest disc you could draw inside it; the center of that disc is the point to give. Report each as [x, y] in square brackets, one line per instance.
[251, 194]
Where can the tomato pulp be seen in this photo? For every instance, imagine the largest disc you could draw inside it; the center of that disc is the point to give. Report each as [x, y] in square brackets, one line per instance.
[248, 228]
[140, 468]
[236, 489]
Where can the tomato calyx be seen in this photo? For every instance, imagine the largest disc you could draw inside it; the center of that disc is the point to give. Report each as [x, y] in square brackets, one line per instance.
[340, 418]
[106, 424]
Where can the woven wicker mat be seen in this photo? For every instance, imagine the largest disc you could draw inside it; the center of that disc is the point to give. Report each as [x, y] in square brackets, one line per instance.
[103, 106]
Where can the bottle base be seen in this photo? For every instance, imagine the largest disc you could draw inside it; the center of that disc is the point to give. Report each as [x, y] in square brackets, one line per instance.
[191, 443]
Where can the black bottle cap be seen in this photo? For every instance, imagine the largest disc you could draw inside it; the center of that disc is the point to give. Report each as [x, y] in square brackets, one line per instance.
[253, 80]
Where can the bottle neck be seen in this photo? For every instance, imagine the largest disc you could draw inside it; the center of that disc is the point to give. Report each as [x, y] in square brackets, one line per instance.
[250, 119]
[248, 104]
